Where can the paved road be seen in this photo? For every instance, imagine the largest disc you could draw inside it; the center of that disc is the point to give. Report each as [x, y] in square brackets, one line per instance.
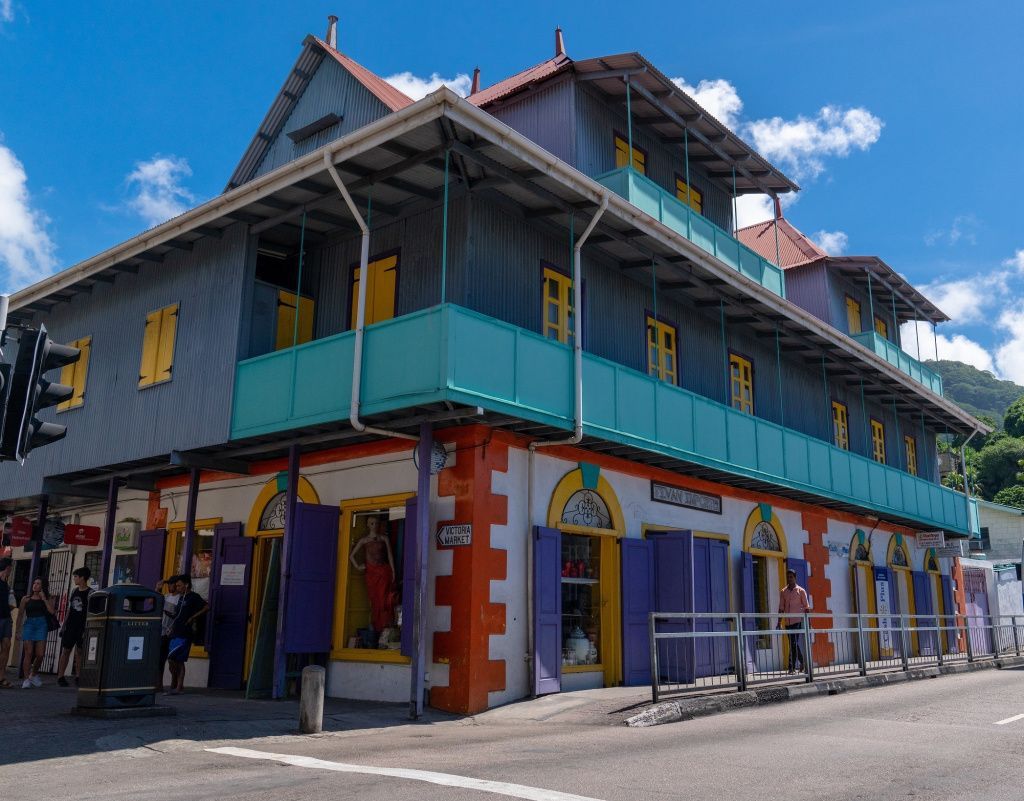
[933, 739]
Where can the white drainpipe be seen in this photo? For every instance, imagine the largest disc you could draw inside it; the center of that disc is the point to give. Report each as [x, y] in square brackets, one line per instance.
[577, 434]
[357, 351]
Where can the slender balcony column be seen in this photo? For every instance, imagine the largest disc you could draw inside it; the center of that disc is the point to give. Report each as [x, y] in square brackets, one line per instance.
[108, 533]
[291, 499]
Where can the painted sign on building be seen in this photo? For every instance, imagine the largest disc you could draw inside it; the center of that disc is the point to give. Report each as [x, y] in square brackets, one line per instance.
[677, 496]
[931, 539]
[448, 536]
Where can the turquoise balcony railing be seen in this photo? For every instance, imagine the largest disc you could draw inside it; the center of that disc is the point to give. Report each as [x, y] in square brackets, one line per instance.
[663, 206]
[449, 353]
[892, 353]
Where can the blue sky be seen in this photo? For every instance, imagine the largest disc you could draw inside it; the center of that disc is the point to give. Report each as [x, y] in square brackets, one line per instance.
[112, 114]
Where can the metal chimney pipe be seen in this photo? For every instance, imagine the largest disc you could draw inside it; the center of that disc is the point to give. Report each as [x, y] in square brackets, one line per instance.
[476, 81]
[332, 32]
[559, 43]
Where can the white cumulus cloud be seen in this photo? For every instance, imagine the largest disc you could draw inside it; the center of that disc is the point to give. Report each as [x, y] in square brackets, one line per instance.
[157, 190]
[957, 348]
[718, 97]
[27, 253]
[1010, 354]
[416, 87]
[832, 242]
[803, 143]
[966, 300]
[1016, 261]
[963, 228]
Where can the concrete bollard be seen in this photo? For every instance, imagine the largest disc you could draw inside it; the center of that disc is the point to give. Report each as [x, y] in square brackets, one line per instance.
[311, 701]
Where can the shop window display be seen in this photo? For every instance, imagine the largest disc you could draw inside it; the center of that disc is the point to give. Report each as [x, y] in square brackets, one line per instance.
[373, 603]
[201, 568]
[581, 600]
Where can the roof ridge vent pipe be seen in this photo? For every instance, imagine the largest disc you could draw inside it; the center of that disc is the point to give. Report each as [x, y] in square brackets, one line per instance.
[577, 335]
[357, 351]
[559, 43]
[332, 32]
[476, 82]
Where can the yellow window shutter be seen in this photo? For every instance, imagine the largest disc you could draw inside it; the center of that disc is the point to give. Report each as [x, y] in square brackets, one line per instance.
[168, 332]
[150, 345]
[84, 346]
[285, 319]
[385, 281]
[355, 295]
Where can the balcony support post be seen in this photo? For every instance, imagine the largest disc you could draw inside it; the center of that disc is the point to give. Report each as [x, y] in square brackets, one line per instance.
[935, 337]
[828, 402]
[444, 227]
[298, 282]
[686, 162]
[629, 124]
[778, 216]
[899, 437]
[735, 219]
[778, 371]
[864, 417]
[896, 333]
[657, 338]
[917, 337]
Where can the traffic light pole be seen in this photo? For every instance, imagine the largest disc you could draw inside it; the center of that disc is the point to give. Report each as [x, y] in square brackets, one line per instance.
[33, 570]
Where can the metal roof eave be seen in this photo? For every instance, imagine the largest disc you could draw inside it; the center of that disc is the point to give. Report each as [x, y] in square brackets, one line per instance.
[893, 282]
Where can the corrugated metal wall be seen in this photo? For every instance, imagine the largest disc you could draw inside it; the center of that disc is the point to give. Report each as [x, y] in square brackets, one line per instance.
[547, 116]
[808, 287]
[120, 422]
[596, 124]
[839, 289]
[331, 89]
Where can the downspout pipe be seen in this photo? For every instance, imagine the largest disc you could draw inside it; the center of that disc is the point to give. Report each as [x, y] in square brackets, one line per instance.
[577, 434]
[357, 351]
[577, 335]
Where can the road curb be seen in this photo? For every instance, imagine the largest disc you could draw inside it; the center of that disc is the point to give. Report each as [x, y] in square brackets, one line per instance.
[689, 708]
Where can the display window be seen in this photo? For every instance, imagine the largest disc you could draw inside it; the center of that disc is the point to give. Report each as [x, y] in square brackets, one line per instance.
[371, 550]
[581, 599]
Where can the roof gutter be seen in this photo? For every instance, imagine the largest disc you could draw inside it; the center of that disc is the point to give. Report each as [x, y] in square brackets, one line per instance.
[357, 351]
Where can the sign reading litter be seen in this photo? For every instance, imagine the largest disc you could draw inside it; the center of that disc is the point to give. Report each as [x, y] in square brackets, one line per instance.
[448, 536]
[931, 539]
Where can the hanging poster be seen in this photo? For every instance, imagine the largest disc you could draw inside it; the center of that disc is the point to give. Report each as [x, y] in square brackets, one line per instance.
[884, 607]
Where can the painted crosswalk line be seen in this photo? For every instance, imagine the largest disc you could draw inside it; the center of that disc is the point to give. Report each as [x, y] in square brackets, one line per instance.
[1009, 720]
[445, 779]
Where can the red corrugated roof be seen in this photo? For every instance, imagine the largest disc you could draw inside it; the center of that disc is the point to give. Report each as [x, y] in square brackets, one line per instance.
[794, 247]
[391, 97]
[521, 80]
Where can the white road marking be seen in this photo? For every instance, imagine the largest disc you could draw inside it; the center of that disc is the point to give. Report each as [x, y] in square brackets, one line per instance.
[447, 779]
[1009, 720]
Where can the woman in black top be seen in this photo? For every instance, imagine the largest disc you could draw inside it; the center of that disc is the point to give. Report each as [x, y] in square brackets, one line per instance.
[32, 612]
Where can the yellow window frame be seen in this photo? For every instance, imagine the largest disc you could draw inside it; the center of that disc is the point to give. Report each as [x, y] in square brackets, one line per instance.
[878, 441]
[853, 321]
[338, 649]
[158, 343]
[557, 303]
[692, 197]
[881, 327]
[841, 425]
[661, 350]
[381, 290]
[74, 375]
[622, 155]
[174, 530]
[910, 445]
[741, 383]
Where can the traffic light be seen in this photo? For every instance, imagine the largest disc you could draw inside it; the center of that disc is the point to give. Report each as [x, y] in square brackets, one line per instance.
[28, 392]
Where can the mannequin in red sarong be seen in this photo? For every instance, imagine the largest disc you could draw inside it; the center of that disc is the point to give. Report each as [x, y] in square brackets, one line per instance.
[379, 566]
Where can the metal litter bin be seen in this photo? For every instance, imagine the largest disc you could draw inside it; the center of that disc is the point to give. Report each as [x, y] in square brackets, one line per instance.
[122, 648]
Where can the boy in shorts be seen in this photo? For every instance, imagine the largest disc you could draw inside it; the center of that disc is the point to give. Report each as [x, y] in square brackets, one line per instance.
[72, 633]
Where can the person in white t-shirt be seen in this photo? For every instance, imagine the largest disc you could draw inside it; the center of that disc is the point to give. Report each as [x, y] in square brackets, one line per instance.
[168, 586]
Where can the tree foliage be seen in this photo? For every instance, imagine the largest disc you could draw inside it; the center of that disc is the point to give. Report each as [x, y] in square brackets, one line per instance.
[1013, 422]
[998, 465]
[977, 391]
[1011, 496]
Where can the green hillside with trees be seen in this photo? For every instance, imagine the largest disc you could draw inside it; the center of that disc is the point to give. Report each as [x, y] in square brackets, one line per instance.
[977, 391]
[995, 463]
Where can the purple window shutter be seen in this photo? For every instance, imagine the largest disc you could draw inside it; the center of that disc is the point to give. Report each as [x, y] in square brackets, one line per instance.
[149, 565]
[673, 592]
[409, 540]
[923, 611]
[547, 611]
[229, 607]
[312, 558]
[637, 598]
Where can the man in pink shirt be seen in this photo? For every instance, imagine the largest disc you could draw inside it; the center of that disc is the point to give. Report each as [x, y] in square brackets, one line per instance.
[792, 605]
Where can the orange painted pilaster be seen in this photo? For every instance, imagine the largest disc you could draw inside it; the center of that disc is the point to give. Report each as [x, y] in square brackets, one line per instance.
[156, 515]
[818, 584]
[465, 647]
[960, 602]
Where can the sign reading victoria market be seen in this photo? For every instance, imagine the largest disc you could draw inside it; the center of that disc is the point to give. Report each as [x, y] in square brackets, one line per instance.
[691, 499]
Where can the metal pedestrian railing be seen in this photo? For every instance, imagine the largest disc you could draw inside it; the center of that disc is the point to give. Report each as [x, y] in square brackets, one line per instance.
[701, 652]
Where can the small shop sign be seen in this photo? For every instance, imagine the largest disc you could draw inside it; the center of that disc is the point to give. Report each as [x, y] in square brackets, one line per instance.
[931, 539]
[949, 551]
[450, 536]
[690, 499]
[126, 535]
[21, 531]
[75, 534]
